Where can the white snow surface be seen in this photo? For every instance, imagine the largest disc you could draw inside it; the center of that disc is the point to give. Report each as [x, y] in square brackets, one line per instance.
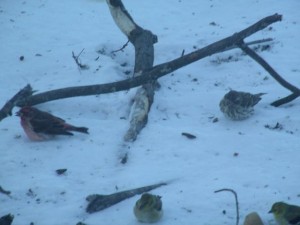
[260, 164]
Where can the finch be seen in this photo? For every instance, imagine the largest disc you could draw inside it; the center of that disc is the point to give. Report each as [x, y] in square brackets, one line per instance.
[148, 209]
[238, 105]
[286, 214]
[39, 125]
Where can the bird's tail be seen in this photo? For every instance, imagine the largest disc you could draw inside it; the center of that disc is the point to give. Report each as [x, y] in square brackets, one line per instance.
[80, 129]
[260, 94]
[256, 98]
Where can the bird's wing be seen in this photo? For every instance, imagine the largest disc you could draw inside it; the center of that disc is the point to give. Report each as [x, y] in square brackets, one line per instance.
[158, 204]
[293, 215]
[47, 123]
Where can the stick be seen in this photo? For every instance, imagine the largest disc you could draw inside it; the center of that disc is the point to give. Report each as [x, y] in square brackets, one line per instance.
[99, 202]
[272, 72]
[236, 202]
[249, 43]
[120, 49]
[4, 191]
[21, 96]
[150, 75]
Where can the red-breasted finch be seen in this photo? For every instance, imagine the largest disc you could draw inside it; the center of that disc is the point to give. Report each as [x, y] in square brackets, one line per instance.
[39, 125]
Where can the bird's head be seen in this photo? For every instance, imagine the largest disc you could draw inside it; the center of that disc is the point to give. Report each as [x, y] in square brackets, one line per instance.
[148, 201]
[278, 208]
[25, 111]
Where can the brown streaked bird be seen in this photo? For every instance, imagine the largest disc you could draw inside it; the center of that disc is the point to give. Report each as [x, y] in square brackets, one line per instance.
[39, 125]
[238, 105]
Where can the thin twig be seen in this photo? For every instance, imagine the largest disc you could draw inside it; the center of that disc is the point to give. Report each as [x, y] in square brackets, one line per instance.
[250, 43]
[77, 61]
[4, 191]
[121, 49]
[182, 53]
[236, 202]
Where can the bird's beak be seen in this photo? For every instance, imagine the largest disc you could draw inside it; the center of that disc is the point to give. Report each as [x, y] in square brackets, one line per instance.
[18, 113]
[270, 211]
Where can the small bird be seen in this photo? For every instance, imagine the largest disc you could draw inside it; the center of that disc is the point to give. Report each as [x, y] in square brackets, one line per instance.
[6, 220]
[238, 105]
[39, 125]
[286, 214]
[148, 209]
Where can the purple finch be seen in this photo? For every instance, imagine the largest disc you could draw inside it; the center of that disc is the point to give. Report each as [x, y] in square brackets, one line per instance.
[39, 125]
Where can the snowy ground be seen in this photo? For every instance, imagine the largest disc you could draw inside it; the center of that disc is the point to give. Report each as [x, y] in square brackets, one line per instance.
[260, 164]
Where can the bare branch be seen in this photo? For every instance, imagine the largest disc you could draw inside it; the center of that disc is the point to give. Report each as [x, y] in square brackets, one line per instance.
[146, 76]
[21, 96]
[273, 73]
[121, 17]
[153, 73]
[251, 43]
[285, 100]
[99, 202]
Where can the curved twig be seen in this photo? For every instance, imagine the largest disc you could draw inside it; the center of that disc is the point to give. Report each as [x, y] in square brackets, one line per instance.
[285, 100]
[236, 202]
[273, 73]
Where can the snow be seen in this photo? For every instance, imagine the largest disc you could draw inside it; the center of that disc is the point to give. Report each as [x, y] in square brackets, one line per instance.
[260, 164]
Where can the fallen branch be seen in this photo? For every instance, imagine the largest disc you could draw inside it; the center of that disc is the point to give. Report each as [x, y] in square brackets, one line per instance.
[273, 73]
[21, 96]
[285, 100]
[142, 41]
[99, 202]
[236, 202]
[151, 74]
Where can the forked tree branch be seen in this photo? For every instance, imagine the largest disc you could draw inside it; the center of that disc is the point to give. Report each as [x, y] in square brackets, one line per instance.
[295, 91]
[153, 73]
